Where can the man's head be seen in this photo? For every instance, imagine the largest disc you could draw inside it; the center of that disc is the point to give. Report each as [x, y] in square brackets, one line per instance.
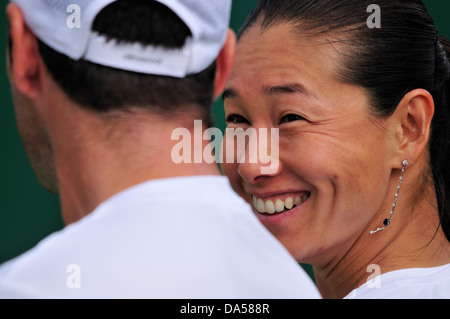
[169, 57]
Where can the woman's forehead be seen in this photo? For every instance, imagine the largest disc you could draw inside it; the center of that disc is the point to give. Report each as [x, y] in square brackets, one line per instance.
[276, 57]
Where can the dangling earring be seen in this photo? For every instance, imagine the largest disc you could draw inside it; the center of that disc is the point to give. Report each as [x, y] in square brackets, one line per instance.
[387, 221]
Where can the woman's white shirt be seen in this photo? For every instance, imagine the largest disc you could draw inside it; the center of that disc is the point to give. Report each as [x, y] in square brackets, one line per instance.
[413, 283]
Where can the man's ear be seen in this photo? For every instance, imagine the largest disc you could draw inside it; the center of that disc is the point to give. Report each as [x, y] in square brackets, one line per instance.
[225, 62]
[25, 68]
[413, 119]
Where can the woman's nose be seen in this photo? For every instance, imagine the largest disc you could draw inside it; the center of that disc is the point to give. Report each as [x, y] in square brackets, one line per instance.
[259, 157]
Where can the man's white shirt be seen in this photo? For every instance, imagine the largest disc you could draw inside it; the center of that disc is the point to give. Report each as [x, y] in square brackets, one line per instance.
[185, 237]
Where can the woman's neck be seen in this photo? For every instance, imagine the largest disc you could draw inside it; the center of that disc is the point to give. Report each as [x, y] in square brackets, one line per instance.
[414, 239]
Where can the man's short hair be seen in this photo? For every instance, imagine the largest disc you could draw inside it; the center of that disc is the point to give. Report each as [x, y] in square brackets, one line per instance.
[103, 89]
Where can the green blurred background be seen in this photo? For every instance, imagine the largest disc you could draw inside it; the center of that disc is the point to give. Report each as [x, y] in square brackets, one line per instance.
[28, 213]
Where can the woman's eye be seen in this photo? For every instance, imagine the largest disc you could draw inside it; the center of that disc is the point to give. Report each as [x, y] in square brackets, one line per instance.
[236, 119]
[290, 118]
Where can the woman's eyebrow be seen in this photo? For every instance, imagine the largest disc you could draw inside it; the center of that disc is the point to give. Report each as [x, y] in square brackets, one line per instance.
[231, 93]
[287, 88]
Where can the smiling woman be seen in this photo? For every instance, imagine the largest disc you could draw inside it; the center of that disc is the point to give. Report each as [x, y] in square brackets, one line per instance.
[363, 121]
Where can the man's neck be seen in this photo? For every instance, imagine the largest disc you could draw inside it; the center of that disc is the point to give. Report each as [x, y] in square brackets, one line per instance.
[95, 161]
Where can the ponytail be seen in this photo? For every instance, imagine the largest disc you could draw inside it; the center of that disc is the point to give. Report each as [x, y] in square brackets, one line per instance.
[440, 140]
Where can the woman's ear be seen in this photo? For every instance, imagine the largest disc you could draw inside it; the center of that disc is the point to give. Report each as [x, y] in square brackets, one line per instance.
[224, 62]
[413, 118]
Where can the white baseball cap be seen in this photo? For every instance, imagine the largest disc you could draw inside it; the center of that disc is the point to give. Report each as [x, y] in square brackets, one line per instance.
[66, 27]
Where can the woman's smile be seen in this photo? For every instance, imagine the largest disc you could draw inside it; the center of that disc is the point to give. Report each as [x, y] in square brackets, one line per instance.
[277, 205]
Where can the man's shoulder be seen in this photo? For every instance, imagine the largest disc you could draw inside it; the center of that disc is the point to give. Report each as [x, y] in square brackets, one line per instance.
[161, 246]
[43, 265]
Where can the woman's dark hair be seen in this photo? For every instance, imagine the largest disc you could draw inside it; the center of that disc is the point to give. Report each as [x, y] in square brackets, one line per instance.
[102, 88]
[404, 53]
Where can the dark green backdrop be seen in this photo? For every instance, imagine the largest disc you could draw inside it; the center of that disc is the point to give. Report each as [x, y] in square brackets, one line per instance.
[27, 212]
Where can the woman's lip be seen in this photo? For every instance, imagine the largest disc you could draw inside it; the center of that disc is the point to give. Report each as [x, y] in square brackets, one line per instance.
[273, 195]
[278, 205]
[277, 217]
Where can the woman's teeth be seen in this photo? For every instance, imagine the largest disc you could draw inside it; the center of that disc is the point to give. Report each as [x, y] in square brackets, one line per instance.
[271, 207]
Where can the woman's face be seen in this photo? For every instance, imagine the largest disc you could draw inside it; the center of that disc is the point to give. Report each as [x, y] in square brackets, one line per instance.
[334, 170]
